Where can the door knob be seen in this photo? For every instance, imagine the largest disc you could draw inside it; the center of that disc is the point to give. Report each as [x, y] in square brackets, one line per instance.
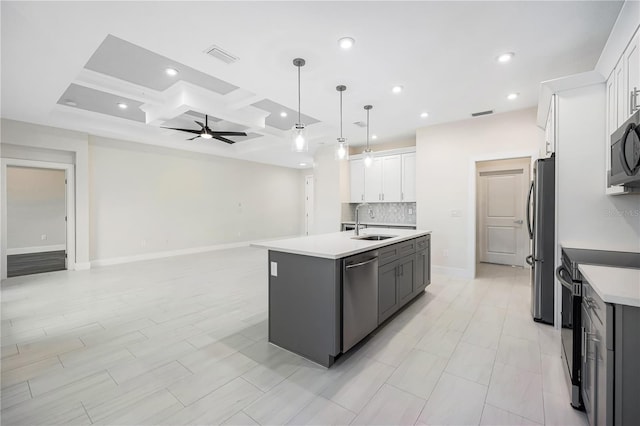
[519, 222]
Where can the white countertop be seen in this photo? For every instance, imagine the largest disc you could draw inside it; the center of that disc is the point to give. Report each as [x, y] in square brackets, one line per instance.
[339, 244]
[402, 225]
[614, 285]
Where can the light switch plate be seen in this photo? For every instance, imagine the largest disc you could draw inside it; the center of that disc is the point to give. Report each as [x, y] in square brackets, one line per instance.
[274, 269]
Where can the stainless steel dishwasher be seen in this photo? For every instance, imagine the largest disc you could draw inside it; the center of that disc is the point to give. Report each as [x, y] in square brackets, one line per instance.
[359, 298]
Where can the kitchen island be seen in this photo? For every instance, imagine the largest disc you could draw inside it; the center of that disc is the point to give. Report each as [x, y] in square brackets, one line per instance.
[329, 291]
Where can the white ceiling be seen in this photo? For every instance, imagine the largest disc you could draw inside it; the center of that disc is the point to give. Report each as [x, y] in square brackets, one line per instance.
[443, 53]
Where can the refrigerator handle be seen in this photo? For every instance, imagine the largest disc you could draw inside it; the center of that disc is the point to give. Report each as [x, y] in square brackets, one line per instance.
[529, 195]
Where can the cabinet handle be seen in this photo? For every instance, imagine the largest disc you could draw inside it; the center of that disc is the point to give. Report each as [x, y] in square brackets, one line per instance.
[402, 196]
[382, 197]
[584, 341]
[634, 100]
[362, 197]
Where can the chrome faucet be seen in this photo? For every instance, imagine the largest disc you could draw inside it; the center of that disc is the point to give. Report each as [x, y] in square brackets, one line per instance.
[358, 217]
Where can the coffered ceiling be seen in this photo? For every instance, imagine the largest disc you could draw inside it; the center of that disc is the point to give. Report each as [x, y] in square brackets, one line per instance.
[69, 64]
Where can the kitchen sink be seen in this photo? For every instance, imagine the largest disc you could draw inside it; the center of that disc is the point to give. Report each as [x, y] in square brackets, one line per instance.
[374, 237]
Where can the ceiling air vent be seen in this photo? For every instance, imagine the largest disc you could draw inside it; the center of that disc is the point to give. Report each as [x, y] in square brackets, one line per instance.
[478, 114]
[220, 54]
[361, 123]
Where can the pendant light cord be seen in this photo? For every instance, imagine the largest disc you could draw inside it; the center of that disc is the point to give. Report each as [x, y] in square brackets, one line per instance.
[299, 94]
[341, 115]
[367, 129]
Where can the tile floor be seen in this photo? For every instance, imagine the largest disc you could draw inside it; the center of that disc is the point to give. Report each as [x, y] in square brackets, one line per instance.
[184, 341]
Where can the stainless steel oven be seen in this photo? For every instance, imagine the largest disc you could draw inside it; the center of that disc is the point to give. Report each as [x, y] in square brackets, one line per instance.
[572, 293]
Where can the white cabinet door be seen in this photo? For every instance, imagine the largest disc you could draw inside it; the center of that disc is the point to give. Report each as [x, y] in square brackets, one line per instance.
[550, 129]
[612, 107]
[409, 177]
[622, 100]
[356, 176]
[632, 76]
[392, 179]
[373, 182]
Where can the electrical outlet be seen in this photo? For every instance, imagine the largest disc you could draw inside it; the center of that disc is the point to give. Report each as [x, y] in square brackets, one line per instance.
[274, 269]
[445, 253]
[43, 237]
[410, 211]
[455, 213]
[143, 243]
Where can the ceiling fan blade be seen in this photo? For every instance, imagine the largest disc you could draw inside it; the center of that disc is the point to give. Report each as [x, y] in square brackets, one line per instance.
[213, 132]
[199, 123]
[220, 138]
[183, 130]
[195, 137]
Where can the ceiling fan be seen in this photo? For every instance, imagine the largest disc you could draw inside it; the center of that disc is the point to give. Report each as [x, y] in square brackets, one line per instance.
[206, 133]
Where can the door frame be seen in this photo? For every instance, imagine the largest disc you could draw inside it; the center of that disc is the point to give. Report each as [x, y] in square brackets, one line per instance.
[507, 164]
[472, 199]
[70, 207]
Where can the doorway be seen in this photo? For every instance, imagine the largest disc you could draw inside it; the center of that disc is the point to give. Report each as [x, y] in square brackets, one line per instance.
[308, 204]
[37, 217]
[502, 190]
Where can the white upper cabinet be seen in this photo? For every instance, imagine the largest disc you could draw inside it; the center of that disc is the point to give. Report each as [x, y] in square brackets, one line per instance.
[550, 129]
[373, 181]
[623, 87]
[356, 175]
[408, 177]
[392, 179]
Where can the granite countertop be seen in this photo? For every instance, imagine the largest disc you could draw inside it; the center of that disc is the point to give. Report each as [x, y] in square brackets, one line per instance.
[614, 285]
[337, 245]
[403, 225]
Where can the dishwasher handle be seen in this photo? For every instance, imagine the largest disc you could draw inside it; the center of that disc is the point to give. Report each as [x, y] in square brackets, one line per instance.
[355, 265]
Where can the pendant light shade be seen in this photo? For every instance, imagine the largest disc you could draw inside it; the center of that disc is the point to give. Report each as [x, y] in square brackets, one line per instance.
[299, 142]
[368, 154]
[342, 148]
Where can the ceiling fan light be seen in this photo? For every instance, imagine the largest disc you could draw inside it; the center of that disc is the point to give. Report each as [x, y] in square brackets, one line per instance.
[299, 138]
[206, 136]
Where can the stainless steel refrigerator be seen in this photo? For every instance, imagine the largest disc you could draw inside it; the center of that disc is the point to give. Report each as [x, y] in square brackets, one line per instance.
[541, 207]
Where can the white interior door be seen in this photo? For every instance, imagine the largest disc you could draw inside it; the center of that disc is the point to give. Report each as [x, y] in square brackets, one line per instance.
[501, 196]
[308, 204]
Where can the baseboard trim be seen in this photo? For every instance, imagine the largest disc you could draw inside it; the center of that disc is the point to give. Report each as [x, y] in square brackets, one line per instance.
[451, 271]
[82, 266]
[163, 254]
[36, 249]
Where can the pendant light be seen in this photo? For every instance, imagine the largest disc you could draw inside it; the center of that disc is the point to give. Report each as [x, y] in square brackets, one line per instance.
[368, 154]
[342, 150]
[298, 133]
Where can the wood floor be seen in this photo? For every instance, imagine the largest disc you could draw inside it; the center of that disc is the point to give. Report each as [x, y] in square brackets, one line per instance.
[35, 263]
[184, 341]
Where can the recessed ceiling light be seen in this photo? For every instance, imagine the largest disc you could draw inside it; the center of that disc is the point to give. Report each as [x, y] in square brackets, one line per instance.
[374, 137]
[70, 103]
[397, 89]
[346, 43]
[303, 164]
[505, 57]
[424, 115]
[172, 72]
[283, 114]
[122, 105]
[512, 96]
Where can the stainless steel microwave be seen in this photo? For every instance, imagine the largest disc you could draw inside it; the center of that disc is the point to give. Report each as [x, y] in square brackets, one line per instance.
[625, 154]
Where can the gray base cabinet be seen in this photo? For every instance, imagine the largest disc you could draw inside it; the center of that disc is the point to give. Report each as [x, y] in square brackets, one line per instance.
[610, 361]
[307, 296]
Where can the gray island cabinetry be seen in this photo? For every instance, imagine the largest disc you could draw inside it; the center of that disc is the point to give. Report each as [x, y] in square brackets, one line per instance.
[327, 292]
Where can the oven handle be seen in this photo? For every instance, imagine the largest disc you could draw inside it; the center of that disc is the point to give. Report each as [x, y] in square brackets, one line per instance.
[574, 287]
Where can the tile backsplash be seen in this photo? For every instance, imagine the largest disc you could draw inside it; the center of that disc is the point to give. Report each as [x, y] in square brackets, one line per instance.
[404, 213]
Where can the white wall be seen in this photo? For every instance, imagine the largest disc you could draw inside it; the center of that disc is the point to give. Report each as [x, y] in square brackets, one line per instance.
[28, 141]
[587, 217]
[36, 206]
[331, 181]
[146, 199]
[446, 156]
